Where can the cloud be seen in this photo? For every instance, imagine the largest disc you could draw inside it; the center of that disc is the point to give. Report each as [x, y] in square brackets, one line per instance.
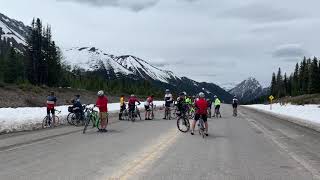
[260, 12]
[134, 5]
[289, 52]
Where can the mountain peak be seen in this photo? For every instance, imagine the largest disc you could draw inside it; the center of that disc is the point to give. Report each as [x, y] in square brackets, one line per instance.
[248, 89]
[14, 31]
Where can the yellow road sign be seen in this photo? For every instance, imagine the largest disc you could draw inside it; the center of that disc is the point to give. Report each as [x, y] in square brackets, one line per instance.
[271, 98]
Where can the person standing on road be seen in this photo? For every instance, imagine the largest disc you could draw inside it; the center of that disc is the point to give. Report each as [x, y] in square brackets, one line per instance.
[217, 104]
[122, 106]
[148, 107]
[201, 112]
[51, 103]
[168, 99]
[235, 103]
[102, 104]
[132, 104]
[181, 104]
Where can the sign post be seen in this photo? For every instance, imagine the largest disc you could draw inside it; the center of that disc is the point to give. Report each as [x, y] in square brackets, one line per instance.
[271, 98]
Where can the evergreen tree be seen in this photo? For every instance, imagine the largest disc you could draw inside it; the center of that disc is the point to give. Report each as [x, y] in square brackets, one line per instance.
[273, 85]
[279, 84]
[314, 79]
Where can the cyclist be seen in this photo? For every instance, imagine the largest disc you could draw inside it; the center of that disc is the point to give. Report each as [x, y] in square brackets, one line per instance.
[77, 108]
[202, 111]
[217, 104]
[51, 103]
[235, 103]
[102, 104]
[122, 106]
[77, 97]
[132, 104]
[148, 104]
[181, 104]
[168, 102]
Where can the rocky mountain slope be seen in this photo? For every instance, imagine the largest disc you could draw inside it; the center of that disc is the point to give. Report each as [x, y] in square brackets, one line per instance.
[248, 90]
[14, 31]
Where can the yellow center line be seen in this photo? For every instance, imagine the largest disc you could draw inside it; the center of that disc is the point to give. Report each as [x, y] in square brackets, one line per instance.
[147, 157]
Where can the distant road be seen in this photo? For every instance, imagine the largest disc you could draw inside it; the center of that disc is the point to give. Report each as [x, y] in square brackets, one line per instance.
[251, 146]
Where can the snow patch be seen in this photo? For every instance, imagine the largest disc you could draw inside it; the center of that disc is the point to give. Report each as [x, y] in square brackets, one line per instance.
[307, 112]
[16, 119]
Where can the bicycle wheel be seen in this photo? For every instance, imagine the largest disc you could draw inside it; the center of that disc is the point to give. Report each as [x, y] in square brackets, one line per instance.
[57, 120]
[45, 122]
[138, 114]
[86, 124]
[132, 116]
[76, 120]
[183, 124]
[69, 119]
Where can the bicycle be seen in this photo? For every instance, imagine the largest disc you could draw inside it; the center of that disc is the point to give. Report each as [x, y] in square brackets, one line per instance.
[183, 122]
[135, 113]
[91, 116]
[167, 113]
[152, 113]
[191, 111]
[76, 118]
[201, 127]
[47, 121]
[175, 112]
[235, 112]
[125, 115]
[217, 113]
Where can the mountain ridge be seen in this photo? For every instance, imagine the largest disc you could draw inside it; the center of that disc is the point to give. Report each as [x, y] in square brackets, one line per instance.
[112, 67]
[248, 90]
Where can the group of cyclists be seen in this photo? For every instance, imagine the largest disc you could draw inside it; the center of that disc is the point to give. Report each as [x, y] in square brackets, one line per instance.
[183, 103]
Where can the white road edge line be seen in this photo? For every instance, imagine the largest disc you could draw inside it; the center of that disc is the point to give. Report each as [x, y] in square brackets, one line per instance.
[315, 173]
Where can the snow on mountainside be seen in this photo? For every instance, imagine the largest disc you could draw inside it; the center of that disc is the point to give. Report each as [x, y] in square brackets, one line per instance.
[143, 68]
[90, 58]
[13, 30]
[247, 90]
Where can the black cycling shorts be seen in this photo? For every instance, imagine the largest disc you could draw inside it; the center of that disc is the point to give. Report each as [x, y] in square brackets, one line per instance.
[217, 107]
[122, 108]
[132, 108]
[203, 116]
[50, 110]
[147, 108]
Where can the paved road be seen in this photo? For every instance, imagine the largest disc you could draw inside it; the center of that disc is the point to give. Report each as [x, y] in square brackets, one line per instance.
[251, 146]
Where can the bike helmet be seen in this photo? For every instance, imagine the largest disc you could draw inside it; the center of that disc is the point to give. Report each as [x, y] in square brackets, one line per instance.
[167, 90]
[201, 95]
[215, 96]
[182, 94]
[234, 96]
[100, 93]
[132, 95]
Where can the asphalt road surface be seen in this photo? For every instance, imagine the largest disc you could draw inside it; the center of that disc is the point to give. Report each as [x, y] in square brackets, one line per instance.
[250, 146]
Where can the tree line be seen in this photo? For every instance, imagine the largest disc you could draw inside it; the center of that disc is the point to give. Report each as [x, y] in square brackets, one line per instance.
[304, 80]
[40, 63]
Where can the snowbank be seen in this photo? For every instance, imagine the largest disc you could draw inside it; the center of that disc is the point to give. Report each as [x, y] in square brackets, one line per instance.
[17, 119]
[307, 112]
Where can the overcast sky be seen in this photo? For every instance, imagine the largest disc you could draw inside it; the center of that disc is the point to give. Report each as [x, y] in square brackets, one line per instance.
[220, 41]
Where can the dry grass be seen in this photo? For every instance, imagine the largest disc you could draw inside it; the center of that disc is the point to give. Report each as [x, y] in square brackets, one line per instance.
[302, 100]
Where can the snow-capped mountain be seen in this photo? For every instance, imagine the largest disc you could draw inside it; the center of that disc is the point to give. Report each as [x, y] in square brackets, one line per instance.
[248, 90]
[13, 30]
[112, 67]
[91, 58]
[131, 67]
